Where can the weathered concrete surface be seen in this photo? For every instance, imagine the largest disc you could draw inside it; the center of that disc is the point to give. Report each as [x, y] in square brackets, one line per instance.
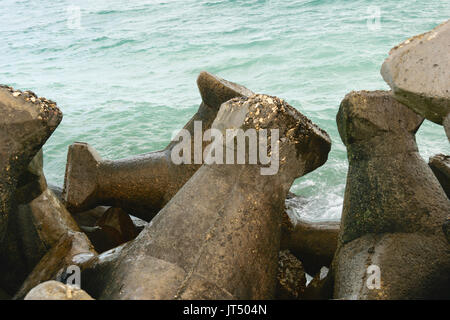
[114, 228]
[138, 223]
[21, 251]
[314, 243]
[74, 248]
[36, 225]
[446, 228]
[291, 278]
[55, 290]
[32, 181]
[90, 217]
[110, 236]
[33, 230]
[440, 164]
[394, 207]
[26, 123]
[141, 185]
[51, 219]
[226, 247]
[418, 71]
[120, 221]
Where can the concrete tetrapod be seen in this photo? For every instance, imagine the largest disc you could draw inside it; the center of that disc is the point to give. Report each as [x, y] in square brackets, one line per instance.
[418, 71]
[219, 236]
[394, 207]
[35, 226]
[26, 123]
[143, 184]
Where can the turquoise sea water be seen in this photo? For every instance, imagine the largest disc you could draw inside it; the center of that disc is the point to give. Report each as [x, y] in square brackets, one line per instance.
[124, 72]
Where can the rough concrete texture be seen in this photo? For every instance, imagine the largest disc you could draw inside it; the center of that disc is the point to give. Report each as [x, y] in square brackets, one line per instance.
[114, 228]
[32, 181]
[291, 278]
[20, 251]
[143, 184]
[446, 228]
[74, 248]
[36, 225]
[394, 207]
[26, 123]
[33, 230]
[88, 219]
[226, 247]
[55, 290]
[440, 164]
[418, 71]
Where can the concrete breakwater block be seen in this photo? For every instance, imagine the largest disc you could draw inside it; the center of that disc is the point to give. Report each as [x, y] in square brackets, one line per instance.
[225, 247]
[394, 207]
[418, 71]
[26, 123]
